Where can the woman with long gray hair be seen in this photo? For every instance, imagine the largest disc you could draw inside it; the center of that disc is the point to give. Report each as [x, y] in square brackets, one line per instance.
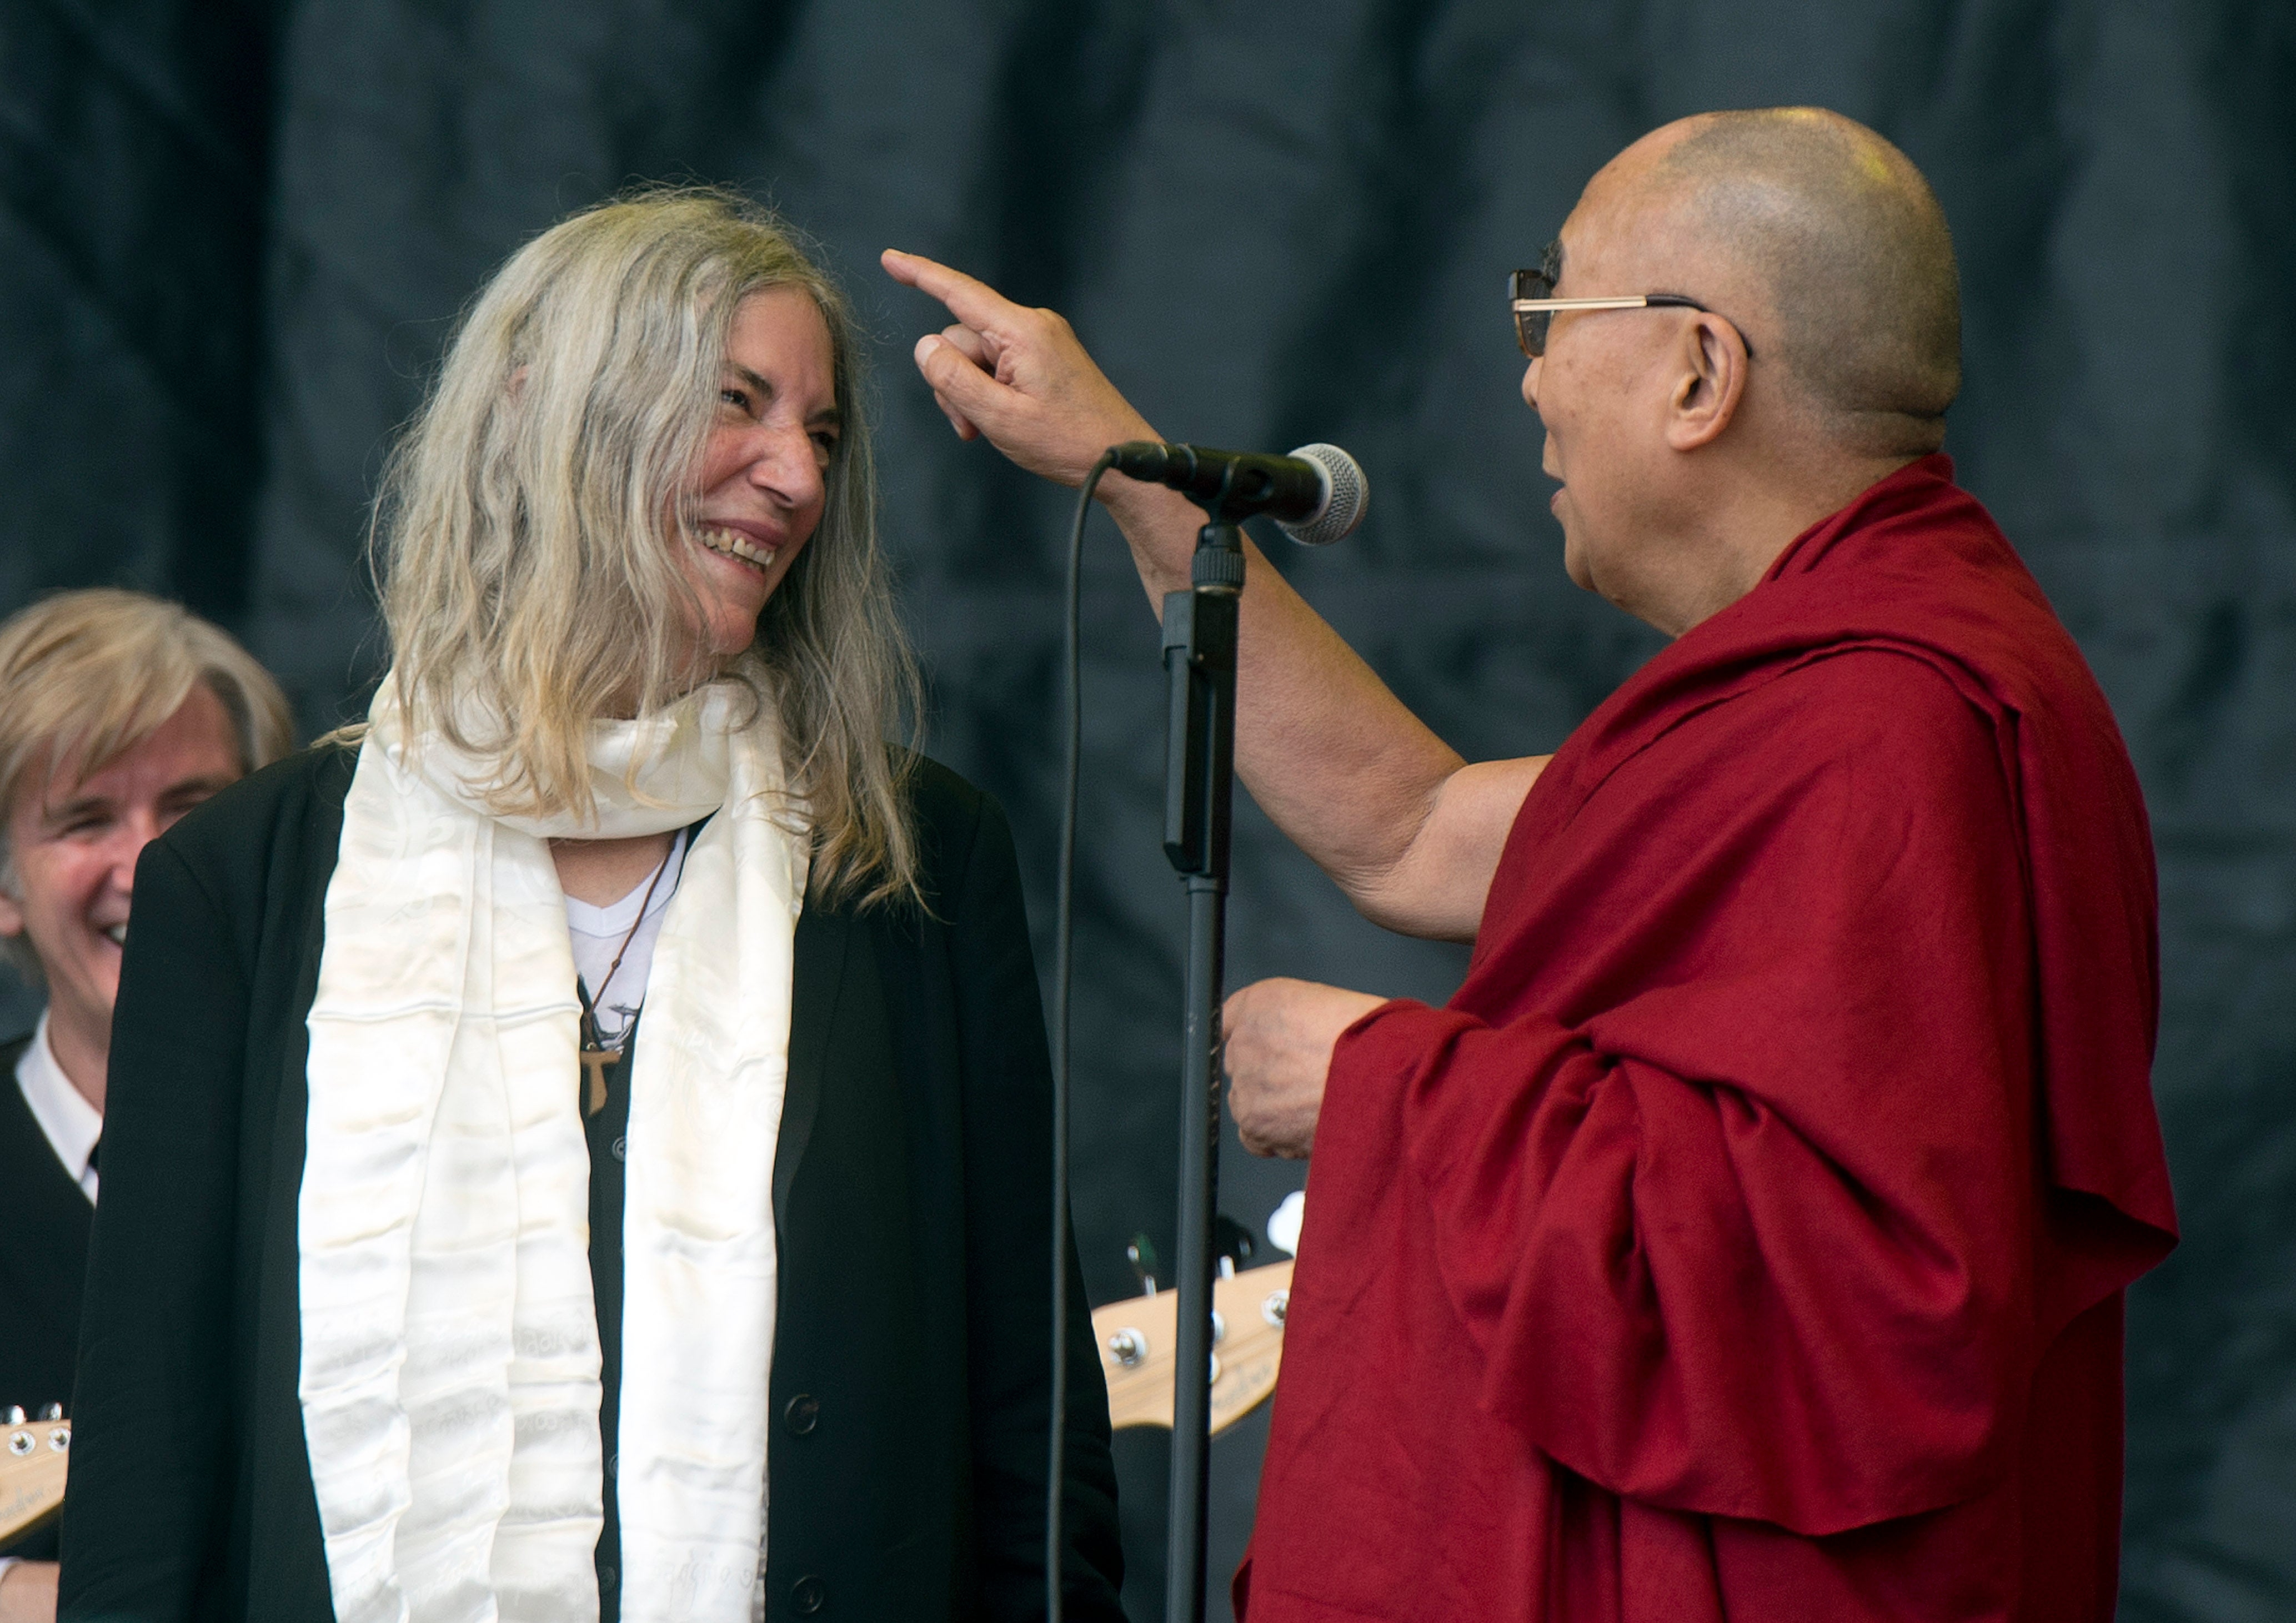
[578, 1140]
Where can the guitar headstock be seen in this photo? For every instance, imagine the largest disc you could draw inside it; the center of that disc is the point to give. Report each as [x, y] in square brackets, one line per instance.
[34, 1454]
[1136, 1337]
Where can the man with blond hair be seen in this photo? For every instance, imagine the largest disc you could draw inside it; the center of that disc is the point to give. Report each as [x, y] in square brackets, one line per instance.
[1746, 1239]
[119, 713]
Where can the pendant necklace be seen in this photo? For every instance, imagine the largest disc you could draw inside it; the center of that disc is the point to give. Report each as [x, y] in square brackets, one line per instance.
[594, 1056]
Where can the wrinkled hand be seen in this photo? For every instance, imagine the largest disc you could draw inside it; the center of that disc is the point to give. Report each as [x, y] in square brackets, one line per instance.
[1016, 375]
[1279, 1037]
[28, 1593]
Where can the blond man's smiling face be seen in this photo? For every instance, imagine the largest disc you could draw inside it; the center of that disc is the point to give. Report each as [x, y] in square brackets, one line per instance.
[73, 842]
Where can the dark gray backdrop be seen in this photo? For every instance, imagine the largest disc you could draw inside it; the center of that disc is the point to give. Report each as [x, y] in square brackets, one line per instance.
[232, 237]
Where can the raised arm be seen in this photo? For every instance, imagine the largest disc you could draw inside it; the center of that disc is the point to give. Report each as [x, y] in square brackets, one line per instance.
[1409, 831]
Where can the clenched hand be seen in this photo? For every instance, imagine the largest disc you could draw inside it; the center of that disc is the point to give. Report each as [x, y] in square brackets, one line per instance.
[1279, 1037]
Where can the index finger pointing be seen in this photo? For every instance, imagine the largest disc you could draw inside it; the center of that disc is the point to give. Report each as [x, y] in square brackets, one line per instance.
[973, 302]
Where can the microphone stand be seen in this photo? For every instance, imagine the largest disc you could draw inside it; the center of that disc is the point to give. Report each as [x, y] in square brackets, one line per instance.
[1200, 646]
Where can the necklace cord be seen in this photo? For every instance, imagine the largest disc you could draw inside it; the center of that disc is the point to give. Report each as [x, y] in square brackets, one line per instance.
[591, 1041]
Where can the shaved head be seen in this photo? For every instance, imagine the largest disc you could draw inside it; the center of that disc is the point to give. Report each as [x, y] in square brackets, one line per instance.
[1805, 342]
[1839, 229]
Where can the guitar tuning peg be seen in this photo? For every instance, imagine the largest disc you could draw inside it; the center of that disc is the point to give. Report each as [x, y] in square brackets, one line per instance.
[1232, 1244]
[15, 1415]
[1284, 1223]
[54, 1411]
[1142, 1255]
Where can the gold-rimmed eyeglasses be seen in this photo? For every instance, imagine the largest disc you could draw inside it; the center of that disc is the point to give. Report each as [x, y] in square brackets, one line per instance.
[1531, 295]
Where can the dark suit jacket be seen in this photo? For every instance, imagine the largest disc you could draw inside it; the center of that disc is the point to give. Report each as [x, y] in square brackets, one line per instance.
[910, 1191]
[44, 1220]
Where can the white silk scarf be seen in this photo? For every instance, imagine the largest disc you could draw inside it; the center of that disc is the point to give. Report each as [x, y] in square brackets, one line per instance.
[450, 1361]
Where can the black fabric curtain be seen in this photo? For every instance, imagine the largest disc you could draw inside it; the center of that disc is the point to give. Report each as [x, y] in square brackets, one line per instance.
[233, 237]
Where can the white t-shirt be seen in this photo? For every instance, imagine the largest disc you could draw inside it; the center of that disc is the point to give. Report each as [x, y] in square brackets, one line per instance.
[597, 934]
[71, 1124]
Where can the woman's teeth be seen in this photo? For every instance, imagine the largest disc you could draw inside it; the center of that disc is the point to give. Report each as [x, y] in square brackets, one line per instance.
[117, 934]
[734, 545]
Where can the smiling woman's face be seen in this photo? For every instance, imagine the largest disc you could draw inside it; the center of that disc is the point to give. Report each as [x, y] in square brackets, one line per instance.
[763, 470]
[74, 842]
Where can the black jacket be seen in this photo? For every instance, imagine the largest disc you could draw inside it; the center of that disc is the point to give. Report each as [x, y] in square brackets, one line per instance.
[43, 1219]
[911, 1193]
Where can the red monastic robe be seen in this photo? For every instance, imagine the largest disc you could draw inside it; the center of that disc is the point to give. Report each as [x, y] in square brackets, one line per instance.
[1747, 1239]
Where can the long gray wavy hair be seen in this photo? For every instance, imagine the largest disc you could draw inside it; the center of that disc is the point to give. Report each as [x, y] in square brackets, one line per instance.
[524, 533]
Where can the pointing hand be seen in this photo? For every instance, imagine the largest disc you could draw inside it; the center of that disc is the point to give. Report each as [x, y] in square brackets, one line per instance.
[1016, 375]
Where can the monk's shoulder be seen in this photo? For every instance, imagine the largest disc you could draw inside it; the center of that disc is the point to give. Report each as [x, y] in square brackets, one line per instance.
[1891, 714]
[1875, 680]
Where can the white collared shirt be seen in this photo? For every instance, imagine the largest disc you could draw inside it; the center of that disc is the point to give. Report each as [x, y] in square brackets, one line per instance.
[72, 1125]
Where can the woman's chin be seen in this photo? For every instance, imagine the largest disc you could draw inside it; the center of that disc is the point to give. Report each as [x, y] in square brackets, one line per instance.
[728, 641]
[729, 624]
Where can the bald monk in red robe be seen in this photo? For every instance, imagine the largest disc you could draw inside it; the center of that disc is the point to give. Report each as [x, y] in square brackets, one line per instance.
[1746, 1240]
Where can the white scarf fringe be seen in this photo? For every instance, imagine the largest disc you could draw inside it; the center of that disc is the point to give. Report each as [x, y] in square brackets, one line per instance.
[449, 1372]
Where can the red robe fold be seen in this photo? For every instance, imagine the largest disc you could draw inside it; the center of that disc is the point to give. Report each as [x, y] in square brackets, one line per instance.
[1746, 1240]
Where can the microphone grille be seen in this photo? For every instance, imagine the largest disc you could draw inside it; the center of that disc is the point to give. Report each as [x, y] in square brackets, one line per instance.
[1346, 497]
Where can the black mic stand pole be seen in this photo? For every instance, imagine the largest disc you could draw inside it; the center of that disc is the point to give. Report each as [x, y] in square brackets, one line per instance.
[1200, 639]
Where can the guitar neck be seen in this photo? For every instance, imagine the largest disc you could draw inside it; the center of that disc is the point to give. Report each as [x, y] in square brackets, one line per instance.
[1137, 1337]
[34, 1454]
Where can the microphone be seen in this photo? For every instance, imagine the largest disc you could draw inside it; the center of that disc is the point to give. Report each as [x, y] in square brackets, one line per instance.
[1317, 495]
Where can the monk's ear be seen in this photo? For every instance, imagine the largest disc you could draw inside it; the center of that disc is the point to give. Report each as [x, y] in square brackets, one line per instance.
[1710, 382]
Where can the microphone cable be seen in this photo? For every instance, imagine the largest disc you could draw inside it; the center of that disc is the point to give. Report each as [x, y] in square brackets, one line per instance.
[1063, 953]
